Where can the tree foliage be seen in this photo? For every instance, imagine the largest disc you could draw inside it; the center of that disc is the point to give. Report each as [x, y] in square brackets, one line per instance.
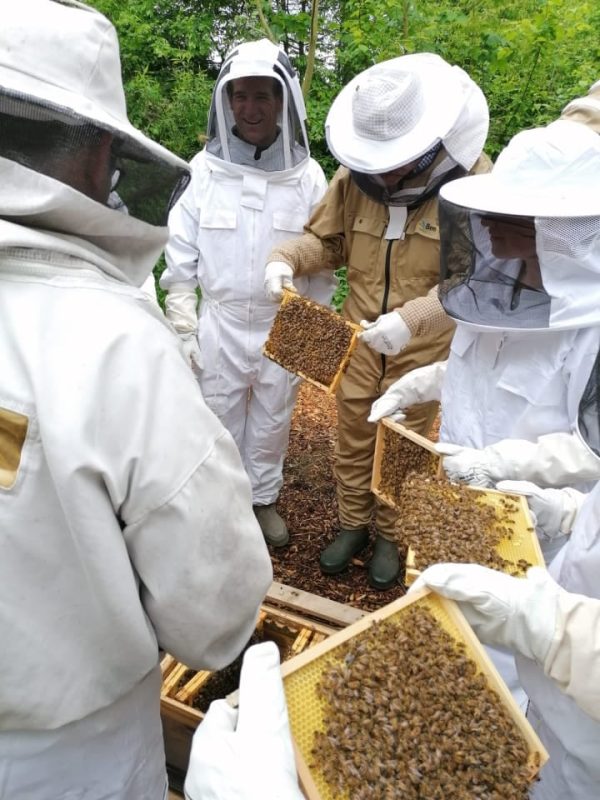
[530, 57]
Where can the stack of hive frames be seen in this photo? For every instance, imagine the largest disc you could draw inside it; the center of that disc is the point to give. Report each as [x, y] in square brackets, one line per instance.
[181, 685]
[311, 340]
[291, 617]
[308, 711]
[399, 451]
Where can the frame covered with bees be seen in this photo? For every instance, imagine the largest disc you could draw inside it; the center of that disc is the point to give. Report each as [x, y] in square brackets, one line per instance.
[405, 703]
[311, 340]
[398, 453]
[442, 521]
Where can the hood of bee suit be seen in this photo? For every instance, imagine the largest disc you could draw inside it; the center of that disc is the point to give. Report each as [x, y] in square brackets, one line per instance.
[260, 59]
[547, 178]
[61, 93]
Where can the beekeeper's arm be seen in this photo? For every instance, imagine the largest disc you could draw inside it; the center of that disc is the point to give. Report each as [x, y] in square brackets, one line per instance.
[180, 277]
[585, 109]
[391, 332]
[556, 459]
[183, 498]
[420, 385]
[532, 616]
[246, 753]
[322, 246]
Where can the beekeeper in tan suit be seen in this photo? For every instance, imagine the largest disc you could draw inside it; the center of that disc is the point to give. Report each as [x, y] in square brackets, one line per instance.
[401, 129]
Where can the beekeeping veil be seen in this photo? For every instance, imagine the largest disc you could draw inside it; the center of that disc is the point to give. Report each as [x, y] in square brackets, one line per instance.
[61, 92]
[412, 108]
[259, 59]
[551, 176]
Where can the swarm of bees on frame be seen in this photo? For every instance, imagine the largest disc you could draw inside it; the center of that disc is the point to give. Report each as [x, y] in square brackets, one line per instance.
[443, 521]
[308, 339]
[400, 457]
[407, 715]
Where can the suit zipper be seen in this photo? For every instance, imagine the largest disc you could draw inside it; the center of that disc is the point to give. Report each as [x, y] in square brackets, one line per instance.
[386, 292]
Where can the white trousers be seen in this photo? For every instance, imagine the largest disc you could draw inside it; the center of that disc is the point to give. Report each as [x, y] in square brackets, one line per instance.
[116, 753]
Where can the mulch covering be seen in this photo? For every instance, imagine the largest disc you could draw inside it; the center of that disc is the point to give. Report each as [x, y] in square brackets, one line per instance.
[308, 504]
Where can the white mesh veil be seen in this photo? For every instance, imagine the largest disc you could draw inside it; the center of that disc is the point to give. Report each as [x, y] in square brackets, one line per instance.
[259, 59]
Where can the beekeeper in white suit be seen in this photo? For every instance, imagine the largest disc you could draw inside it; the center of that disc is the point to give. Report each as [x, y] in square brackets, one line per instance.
[124, 527]
[521, 254]
[253, 186]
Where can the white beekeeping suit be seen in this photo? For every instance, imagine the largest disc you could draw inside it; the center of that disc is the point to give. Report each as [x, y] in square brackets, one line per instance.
[513, 378]
[121, 532]
[524, 345]
[243, 199]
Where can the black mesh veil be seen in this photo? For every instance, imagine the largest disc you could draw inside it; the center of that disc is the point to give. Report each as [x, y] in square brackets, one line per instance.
[589, 410]
[478, 287]
[56, 142]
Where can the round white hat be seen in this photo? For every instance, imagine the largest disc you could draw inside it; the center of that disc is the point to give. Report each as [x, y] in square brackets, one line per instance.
[395, 111]
[552, 171]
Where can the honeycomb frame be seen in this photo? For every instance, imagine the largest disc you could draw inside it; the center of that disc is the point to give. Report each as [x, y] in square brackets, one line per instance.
[269, 350]
[302, 673]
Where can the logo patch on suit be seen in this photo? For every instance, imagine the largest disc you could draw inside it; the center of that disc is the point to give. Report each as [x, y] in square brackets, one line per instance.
[13, 431]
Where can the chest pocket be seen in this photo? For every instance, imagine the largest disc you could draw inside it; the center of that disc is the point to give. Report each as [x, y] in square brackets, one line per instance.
[539, 382]
[367, 235]
[286, 226]
[218, 219]
[13, 432]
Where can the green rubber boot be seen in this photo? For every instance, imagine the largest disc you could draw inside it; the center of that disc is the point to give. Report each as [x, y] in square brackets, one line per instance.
[272, 526]
[385, 564]
[344, 547]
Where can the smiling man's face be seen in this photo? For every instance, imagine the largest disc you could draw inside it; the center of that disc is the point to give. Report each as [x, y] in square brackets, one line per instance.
[256, 106]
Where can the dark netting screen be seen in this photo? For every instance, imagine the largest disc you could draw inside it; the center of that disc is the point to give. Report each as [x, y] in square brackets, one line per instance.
[104, 164]
[479, 287]
[589, 410]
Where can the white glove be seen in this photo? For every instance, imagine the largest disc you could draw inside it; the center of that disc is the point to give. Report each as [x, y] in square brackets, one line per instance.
[246, 754]
[278, 276]
[518, 613]
[180, 310]
[389, 334]
[418, 386]
[554, 510]
[466, 464]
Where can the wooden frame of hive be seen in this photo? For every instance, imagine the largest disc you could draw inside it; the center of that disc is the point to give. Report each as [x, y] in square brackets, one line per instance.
[289, 297]
[523, 543]
[311, 619]
[305, 709]
[412, 436]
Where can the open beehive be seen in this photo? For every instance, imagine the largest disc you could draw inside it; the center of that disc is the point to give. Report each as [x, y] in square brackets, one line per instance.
[405, 703]
[311, 340]
[440, 521]
[187, 693]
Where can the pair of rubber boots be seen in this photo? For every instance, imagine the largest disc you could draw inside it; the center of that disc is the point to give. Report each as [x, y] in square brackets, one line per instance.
[384, 567]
